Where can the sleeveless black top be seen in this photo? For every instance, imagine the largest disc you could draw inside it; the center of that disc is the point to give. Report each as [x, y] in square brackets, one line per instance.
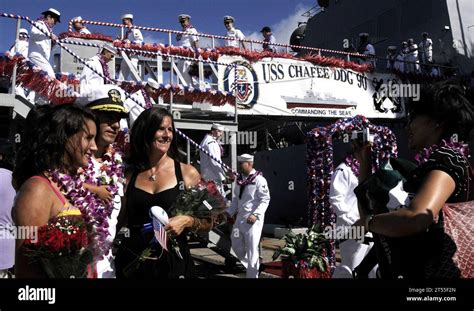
[168, 265]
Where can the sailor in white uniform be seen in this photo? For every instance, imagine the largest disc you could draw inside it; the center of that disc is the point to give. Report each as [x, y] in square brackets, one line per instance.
[142, 100]
[90, 80]
[426, 49]
[39, 49]
[344, 203]
[367, 49]
[79, 26]
[413, 63]
[107, 104]
[233, 32]
[250, 201]
[188, 40]
[210, 169]
[131, 36]
[21, 47]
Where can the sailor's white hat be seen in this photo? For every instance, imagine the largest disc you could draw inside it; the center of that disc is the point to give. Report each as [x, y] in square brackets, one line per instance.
[245, 158]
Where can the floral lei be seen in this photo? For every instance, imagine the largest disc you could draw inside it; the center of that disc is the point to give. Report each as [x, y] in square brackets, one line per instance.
[320, 166]
[352, 162]
[249, 180]
[105, 67]
[111, 173]
[148, 103]
[425, 154]
[87, 202]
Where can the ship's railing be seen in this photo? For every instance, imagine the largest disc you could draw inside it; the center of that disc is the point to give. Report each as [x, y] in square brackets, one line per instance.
[111, 81]
[288, 48]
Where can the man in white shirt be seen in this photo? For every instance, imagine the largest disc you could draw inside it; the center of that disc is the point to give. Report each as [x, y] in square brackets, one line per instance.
[426, 49]
[131, 36]
[268, 38]
[39, 49]
[233, 32]
[412, 57]
[141, 100]
[107, 105]
[211, 169]
[189, 40]
[21, 46]
[367, 49]
[79, 26]
[100, 62]
[344, 203]
[250, 201]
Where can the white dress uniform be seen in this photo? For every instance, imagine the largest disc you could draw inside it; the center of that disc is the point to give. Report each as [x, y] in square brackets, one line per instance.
[412, 58]
[246, 237]
[234, 33]
[186, 40]
[426, 49]
[210, 169]
[88, 76]
[135, 109]
[344, 202]
[39, 49]
[135, 37]
[22, 48]
[369, 50]
[106, 267]
[84, 31]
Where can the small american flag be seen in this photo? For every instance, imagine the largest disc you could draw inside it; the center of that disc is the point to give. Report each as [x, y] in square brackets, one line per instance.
[160, 233]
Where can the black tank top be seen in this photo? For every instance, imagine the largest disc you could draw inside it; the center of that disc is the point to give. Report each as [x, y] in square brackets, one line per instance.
[139, 201]
[169, 265]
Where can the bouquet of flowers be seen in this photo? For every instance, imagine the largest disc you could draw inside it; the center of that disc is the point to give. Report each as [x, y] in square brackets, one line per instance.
[62, 247]
[201, 201]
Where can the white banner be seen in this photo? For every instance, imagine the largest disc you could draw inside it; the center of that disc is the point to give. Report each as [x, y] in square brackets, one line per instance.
[285, 87]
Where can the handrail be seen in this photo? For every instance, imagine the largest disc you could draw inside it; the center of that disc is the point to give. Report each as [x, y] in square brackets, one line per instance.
[13, 16]
[287, 46]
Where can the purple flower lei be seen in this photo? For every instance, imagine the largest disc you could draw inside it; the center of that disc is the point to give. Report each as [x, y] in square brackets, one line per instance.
[112, 167]
[148, 103]
[352, 162]
[249, 180]
[105, 67]
[320, 166]
[425, 154]
[93, 214]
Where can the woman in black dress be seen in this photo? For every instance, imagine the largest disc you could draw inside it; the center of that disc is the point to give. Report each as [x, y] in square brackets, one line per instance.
[439, 123]
[156, 177]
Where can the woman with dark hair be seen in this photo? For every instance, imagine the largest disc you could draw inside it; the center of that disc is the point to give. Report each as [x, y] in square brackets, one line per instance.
[62, 143]
[156, 178]
[438, 125]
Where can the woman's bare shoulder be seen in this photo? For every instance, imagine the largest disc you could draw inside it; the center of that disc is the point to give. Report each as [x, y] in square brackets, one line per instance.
[191, 175]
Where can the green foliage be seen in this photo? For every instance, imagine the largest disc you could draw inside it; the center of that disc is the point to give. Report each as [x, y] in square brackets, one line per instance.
[307, 248]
